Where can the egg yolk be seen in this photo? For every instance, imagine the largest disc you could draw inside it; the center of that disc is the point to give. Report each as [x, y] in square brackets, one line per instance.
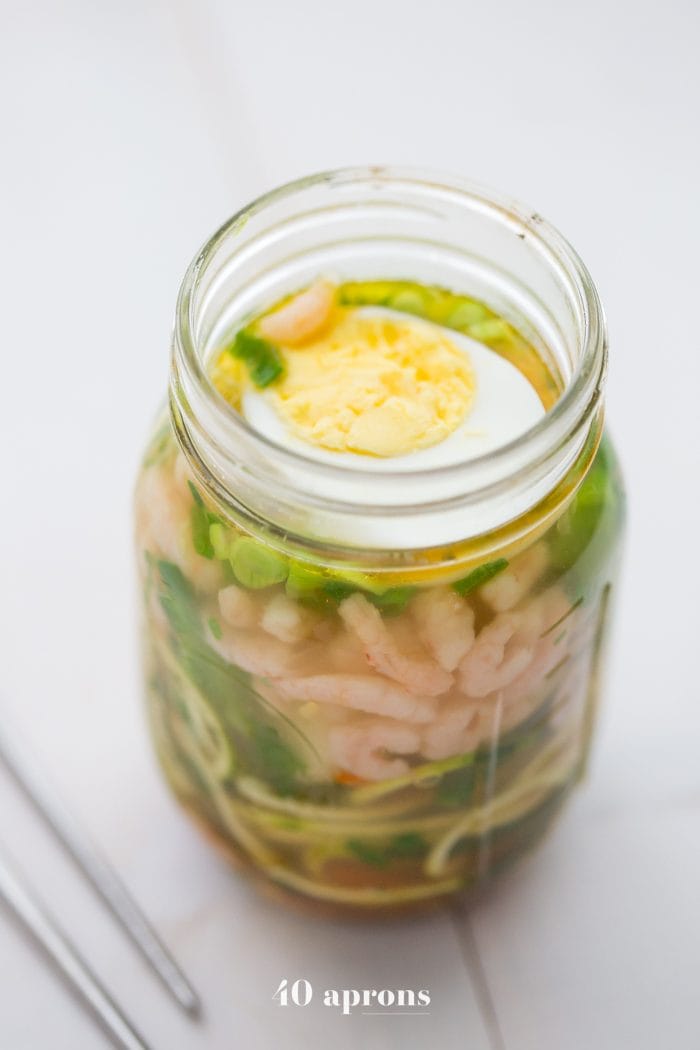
[374, 385]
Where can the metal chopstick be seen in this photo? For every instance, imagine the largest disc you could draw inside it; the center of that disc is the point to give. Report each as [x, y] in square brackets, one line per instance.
[96, 870]
[72, 968]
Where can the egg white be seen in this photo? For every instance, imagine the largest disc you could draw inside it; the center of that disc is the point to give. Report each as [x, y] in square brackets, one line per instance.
[505, 405]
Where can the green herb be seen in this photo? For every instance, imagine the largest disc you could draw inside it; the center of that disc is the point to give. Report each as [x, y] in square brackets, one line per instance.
[401, 847]
[479, 576]
[393, 601]
[245, 716]
[409, 844]
[338, 590]
[199, 522]
[575, 530]
[456, 788]
[282, 766]
[255, 565]
[312, 585]
[215, 627]
[196, 494]
[178, 600]
[262, 358]
[368, 854]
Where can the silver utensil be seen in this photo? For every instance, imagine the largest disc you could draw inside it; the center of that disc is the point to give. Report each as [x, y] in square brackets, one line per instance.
[61, 953]
[98, 872]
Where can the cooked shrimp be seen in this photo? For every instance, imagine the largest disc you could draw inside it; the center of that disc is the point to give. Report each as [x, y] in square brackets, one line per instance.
[237, 607]
[370, 749]
[302, 317]
[507, 646]
[445, 625]
[422, 675]
[287, 620]
[554, 606]
[517, 709]
[504, 591]
[524, 694]
[370, 693]
[259, 654]
[157, 530]
[163, 525]
[545, 658]
[323, 630]
[345, 652]
[313, 718]
[456, 730]
[502, 651]
[552, 649]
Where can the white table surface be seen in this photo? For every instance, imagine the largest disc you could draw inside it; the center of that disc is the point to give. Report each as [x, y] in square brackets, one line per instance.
[130, 130]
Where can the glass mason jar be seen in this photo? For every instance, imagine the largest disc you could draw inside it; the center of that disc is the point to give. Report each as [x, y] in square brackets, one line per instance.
[495, 574]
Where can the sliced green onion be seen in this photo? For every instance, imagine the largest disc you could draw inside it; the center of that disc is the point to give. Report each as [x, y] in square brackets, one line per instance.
[304, 580]
[409, 301]
[393, 601]
[479, 576]
[262, 358]
[199, 522]
[465, 314]
[492, 330]
[220, 539]
[255, 565]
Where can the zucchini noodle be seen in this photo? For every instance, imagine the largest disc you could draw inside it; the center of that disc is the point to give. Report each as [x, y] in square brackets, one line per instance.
[420, 776]
[365, 825]
[258, 850]
[368, 896]
[530, 788]
[255, 791]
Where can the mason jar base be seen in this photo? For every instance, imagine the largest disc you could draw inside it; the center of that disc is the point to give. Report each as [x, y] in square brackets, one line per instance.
[373, 901]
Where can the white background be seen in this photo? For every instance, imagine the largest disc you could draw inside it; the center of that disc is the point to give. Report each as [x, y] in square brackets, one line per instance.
[130, 130]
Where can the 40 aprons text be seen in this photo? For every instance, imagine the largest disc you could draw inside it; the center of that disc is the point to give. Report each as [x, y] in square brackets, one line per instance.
[300, 993]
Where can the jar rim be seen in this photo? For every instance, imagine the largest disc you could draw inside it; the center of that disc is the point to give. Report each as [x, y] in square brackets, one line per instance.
[574, 410]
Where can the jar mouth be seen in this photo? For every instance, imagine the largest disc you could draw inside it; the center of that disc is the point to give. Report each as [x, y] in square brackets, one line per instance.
[228, 445]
